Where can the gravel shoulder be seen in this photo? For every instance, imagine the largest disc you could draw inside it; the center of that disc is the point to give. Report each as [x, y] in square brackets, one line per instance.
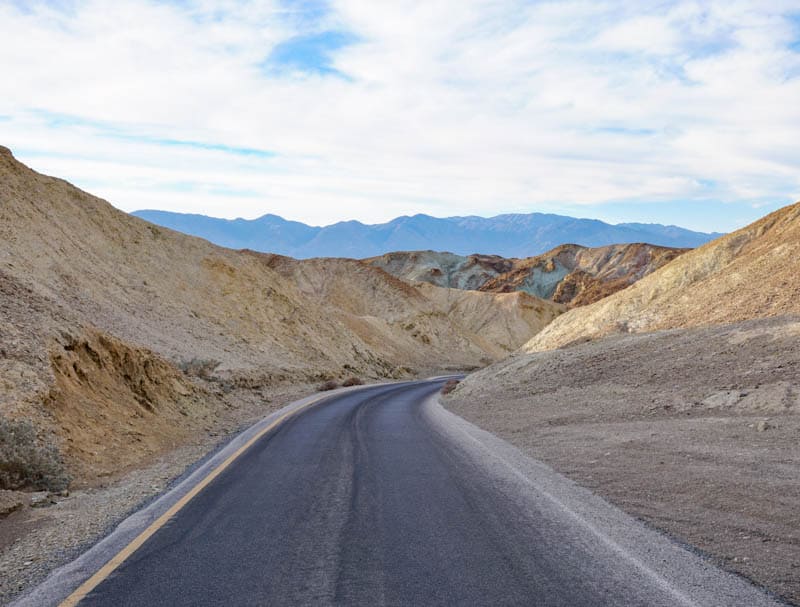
[693, 431]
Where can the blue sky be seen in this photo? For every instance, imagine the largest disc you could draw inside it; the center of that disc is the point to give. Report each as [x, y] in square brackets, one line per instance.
[684, 112]
[308, 54]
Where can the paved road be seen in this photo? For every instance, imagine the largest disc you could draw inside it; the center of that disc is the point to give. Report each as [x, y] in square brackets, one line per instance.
[365, 501]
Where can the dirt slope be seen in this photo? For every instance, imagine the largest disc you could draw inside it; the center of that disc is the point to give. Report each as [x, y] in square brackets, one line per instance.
[107, 393]
[100, 309]
[751, 273]
[569, 274]
[179, 295]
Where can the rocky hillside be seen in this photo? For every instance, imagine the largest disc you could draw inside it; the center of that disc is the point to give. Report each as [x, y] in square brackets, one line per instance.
[102, 310]
[569, 274]
[751, 273]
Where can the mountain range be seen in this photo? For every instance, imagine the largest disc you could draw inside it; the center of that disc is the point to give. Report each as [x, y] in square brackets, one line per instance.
[511, 235]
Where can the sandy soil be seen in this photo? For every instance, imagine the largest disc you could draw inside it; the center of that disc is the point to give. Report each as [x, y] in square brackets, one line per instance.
[694, 431]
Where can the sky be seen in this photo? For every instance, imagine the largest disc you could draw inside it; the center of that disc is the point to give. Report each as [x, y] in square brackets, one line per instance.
[682, 112]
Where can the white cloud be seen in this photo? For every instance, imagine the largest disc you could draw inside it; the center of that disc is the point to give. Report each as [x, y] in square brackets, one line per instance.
[447, 107]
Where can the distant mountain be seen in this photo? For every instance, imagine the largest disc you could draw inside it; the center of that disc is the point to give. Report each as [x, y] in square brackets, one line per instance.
[506, 235]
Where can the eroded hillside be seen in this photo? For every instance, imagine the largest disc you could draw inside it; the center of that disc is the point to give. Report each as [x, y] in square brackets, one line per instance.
[751, 273]
[569, 274]
[101, 310]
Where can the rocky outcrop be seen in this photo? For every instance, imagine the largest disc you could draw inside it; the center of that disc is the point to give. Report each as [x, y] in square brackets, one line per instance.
[468, 272]
[570, 274]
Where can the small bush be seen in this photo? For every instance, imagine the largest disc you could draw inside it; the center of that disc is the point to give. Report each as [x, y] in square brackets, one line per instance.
[450, 386]
[328, 385]
[198, 367]
[352, 381]
[26, 462]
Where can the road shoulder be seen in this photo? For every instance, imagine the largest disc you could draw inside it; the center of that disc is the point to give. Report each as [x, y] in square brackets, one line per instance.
[687, 576]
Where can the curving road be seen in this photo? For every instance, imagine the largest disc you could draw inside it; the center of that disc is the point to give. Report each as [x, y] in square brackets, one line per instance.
[380, 497]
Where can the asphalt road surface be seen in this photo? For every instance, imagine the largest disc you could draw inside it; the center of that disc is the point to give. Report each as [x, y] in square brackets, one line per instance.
[366, 500]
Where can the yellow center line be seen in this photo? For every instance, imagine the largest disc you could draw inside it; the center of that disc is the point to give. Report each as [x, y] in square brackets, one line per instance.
[80, 593]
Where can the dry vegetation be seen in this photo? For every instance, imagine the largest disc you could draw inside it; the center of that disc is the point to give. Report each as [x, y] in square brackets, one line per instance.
[450, 385]
[197, 367]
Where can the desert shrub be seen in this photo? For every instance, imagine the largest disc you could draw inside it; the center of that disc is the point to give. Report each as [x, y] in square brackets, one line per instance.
[328, 385]
[26, 462]
[352, 381]
[450, 386]
[198, 367]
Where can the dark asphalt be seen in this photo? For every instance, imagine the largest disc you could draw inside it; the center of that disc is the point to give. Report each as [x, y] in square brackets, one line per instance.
[359, 501]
